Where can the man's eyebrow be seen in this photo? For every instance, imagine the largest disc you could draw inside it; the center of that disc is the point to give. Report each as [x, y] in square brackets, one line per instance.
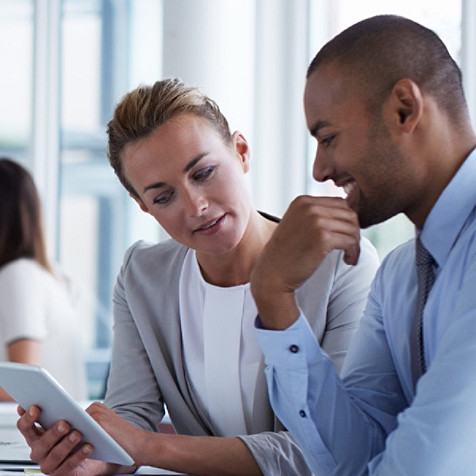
[314, 130]
[188, 167]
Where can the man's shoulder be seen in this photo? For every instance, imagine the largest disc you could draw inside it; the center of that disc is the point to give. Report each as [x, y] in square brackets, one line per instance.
[400, 258]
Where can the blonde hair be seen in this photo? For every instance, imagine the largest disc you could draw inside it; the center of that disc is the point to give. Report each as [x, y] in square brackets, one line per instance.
[145, 108]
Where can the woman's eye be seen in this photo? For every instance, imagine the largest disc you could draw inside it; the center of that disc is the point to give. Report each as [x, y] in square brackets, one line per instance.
[163, 198]
[203, 174]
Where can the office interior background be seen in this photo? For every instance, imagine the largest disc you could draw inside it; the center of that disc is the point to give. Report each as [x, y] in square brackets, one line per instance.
[66, 63]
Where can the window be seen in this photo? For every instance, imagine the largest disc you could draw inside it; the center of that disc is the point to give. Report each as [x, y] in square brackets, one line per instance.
[101, 47]
[70, 61]
[16, 56]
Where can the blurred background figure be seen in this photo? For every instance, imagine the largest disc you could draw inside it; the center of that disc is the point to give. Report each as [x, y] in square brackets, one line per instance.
[38, 323]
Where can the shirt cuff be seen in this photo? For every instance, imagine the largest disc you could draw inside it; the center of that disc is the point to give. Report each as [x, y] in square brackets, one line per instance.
[293, 347]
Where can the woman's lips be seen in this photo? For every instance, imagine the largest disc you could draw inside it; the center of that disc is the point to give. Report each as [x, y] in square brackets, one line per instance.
[212, 226]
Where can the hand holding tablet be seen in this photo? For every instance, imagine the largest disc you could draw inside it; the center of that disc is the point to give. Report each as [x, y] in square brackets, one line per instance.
[32, 385]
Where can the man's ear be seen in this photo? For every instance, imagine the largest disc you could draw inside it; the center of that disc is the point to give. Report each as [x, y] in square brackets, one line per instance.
[139, 202]
[242, 149]
[407, 105]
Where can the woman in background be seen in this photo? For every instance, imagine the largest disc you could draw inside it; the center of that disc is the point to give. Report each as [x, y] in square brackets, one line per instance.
[184, 316]
[37, 320]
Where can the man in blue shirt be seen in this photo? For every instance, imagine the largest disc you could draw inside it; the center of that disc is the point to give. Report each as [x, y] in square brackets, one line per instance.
[385, 102]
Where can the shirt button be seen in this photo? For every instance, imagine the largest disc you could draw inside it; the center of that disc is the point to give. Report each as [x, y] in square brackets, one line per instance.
[302, 413]
[294, 349]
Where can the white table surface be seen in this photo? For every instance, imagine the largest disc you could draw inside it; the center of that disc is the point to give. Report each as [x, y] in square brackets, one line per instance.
[13, 446]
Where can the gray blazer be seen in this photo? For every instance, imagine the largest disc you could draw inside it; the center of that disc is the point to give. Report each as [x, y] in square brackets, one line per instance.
[147, 367]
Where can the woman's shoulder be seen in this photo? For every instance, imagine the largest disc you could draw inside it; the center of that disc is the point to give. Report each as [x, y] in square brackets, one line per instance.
[149, 257]
[22, 268]
[146, 250]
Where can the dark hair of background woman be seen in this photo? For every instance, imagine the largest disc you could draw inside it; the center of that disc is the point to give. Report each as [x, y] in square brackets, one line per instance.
[21, 225]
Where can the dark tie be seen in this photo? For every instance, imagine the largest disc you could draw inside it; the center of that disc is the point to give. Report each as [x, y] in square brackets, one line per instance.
[426, 278]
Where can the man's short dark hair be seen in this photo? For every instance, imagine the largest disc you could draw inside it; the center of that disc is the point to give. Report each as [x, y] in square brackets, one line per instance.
[380, 51]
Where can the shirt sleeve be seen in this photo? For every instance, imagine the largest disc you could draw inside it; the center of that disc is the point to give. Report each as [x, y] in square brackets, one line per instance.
[136, 398]
[363, 424]
[289, 355]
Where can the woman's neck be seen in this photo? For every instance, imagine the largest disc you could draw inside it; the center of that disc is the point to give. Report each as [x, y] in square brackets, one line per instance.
[234, 267]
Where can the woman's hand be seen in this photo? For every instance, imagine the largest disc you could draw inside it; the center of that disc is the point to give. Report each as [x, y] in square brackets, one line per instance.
[56, 450]
[131, 438]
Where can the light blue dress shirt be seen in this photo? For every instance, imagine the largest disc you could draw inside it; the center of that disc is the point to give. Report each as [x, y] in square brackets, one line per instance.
[372, 421]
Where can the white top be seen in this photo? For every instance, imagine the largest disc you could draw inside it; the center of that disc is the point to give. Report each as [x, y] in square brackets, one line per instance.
[222, 358]
[36, 305]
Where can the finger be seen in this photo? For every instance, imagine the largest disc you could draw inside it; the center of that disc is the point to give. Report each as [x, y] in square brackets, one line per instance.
[301, 215]
[68, 465]
[49, 440]
[95, 407]
[328, 205]
[352, 254]
[63, 449]
[27, 426]
[332, 224]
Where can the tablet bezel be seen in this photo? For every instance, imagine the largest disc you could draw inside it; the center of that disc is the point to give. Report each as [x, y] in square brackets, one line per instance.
[33, 385]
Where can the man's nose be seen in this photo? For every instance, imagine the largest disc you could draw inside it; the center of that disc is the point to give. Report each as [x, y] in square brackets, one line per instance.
[322, 168]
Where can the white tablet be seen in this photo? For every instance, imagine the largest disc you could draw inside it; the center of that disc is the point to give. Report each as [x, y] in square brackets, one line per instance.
[32, 385]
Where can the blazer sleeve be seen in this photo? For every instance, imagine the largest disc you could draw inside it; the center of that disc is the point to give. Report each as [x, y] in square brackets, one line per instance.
[132, 389]
[347, 302]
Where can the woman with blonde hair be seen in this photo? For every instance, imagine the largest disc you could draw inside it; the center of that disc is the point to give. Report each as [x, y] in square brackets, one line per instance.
[183, 313]
[37, 320]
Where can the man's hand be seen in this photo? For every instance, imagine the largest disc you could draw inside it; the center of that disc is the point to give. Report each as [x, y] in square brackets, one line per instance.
[311, 228]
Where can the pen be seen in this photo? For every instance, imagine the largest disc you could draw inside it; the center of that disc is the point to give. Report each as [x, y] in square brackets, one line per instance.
[20, 470]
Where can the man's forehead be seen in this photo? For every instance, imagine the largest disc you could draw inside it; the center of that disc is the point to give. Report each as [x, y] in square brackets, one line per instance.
[323, 89]
[330, 97]
[327, 79]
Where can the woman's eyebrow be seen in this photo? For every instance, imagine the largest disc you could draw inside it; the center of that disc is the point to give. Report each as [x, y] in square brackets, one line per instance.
[153, 185]
[194, 161]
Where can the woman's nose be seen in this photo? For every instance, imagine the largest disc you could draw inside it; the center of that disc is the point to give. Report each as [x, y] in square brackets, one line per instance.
[196, 202]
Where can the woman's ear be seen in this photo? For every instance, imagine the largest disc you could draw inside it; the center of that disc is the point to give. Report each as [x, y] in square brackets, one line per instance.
[407, 105]
[139, 202]
[242, 149]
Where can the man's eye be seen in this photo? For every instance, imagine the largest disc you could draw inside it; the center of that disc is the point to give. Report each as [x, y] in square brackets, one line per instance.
[203, 174]
[163, 198]
[326, 141]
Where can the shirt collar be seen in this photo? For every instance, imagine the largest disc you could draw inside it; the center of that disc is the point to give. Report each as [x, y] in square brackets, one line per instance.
[450, 212]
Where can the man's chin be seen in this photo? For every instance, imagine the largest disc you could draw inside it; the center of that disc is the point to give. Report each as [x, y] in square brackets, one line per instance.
[367, 219]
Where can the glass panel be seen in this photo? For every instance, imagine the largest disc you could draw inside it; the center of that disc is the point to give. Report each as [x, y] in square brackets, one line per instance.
[81, 59]
[16, 35]
[100, 48]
